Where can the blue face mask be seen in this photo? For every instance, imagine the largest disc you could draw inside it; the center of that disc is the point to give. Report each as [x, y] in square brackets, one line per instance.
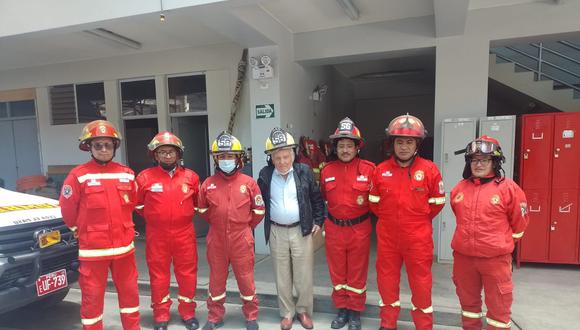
[227, 165]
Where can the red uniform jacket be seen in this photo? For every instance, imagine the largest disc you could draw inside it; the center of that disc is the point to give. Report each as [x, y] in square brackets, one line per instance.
[403, 196]
[166, 202]
[231, 202]
[346, 186]
[98, 201]
[489, 217]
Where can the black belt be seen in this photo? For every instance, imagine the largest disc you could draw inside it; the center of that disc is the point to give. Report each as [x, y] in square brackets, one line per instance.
[292, 225]
[348, 222]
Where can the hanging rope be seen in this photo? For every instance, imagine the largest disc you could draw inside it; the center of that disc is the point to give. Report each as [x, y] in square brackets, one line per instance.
[242, 65]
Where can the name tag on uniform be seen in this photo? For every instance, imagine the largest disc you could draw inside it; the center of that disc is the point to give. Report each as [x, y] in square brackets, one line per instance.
[330, 179]
[387, 173]
[157, 187]
[362, 178]
[93, 182]
[211, 186]
[124, 180]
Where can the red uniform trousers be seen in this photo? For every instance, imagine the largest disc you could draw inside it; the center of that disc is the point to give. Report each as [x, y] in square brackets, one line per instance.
[417, 254]
[181, 248]
[347, 253]
[238, 250]
[494, 275]
[93, 281]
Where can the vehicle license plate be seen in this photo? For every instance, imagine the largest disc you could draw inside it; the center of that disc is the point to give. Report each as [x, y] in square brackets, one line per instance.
[52, 282]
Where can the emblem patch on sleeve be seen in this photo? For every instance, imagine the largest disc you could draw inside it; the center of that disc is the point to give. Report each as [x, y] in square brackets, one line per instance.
[441, 187]
[258, 200]
[67, 191]
[524, 208]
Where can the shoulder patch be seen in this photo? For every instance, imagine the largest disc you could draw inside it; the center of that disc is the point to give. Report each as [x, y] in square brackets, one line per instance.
[67, 191]
[258, 200]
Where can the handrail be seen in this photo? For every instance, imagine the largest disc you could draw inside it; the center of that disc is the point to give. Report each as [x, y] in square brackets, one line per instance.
[539, 70]
[505, 58]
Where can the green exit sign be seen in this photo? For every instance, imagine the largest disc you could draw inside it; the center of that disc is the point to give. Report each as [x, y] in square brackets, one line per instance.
[264, 111]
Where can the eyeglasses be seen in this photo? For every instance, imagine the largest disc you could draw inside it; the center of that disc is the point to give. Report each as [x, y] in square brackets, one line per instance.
[100, 146]
[480, 161]
[164, 153]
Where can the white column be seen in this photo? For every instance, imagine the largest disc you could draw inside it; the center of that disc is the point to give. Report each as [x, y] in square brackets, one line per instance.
[114, 113]
[161, 94]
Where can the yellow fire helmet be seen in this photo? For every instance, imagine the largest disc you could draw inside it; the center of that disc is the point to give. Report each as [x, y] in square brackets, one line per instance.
[279, 139]
[226, 143]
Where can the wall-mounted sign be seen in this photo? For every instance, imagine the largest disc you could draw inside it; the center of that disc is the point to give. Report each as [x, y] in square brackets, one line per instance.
[264, 111]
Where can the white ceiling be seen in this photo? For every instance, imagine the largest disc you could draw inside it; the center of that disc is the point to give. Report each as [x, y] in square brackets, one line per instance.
[204, 25]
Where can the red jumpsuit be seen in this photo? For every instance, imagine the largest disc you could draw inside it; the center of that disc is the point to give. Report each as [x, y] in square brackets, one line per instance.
[167, 203]
[490, 215]
[406, 199]
[233, 206]
[98, 201]
[345, 186]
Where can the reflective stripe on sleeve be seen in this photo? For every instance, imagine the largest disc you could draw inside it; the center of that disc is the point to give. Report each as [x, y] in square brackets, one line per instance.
[437, 200]
[129, 310]
[518, 235]
[498, 324]
[220, 297]
[374, 199]
[259, 212]
[73, 228]
[186, 299]
[202, 209]
[106, 252]
[140, 207]
[99, 176]
[92, 321]
[471, 315]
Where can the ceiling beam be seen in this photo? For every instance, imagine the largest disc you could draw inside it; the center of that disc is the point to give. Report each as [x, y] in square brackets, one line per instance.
[450, 17]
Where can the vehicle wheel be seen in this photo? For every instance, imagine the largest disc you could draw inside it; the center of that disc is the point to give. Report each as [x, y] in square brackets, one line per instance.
[51, 300]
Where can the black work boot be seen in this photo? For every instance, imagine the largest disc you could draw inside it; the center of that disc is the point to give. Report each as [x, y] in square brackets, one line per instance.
[211, 325]
[341, 319]
[191, 324]
[160, 326]
[354, 322]
[252, 325]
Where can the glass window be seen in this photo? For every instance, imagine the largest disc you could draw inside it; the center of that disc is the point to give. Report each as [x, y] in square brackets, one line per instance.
[90, 102]
[62, 104]
[187, 94]
[138, 98]
[3, 110]
[22, 108]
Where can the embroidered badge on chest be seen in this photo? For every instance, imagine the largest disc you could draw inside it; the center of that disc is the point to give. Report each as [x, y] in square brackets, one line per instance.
[419, 175]
[243, 189]
[494, 200]
[387, 173]
[458, 198]
[184, 188]
[360, 200]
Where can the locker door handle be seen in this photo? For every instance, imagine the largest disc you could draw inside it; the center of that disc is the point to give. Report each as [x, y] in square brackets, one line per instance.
[526, 153]
[533, 210]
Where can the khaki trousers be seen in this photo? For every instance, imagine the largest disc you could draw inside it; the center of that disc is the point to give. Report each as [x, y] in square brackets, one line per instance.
[293, 257]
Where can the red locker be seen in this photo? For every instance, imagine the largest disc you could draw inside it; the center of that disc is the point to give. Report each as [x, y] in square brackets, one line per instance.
[535, 245]
[564, 226]
[550, 177]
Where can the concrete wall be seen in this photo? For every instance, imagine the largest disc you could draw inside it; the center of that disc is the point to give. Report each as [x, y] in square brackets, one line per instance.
[219, 63]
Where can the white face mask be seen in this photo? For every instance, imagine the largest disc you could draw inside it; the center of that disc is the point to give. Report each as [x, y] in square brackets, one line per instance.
[227, 165]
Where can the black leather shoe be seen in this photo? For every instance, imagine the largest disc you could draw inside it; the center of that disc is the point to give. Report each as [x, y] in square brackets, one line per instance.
[191, 324]
[252, 325]
[211, 325]
[354, 321]
[160, 326]
[341, 319]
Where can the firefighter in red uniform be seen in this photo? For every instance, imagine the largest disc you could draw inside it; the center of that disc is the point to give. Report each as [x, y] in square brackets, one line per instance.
[491, 213]
[232, 204]
[97, 202]
[407, 193]
[345, 185]
[166, 198]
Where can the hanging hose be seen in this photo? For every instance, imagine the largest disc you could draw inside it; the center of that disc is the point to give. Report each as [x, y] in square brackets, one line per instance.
[242, 65]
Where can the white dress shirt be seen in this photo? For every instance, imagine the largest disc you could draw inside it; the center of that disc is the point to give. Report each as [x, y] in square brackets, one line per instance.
[283, 199]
